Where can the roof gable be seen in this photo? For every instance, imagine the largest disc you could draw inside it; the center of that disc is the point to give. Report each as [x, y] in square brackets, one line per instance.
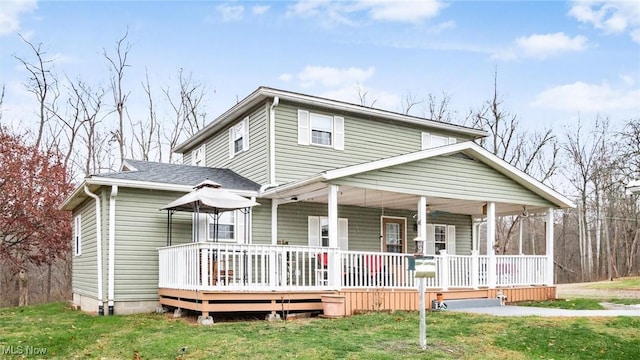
[468, 148]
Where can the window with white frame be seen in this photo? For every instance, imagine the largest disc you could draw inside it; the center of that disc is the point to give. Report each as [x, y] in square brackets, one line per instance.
[226, 229]
[431, 140]
[319, 232]
[239, 137]
[440, 237]
[320, 129]
[77, 235]
[198, 156]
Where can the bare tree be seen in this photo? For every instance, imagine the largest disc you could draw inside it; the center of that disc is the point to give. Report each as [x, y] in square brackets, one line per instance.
[147, 136]
[408, 101]
[188, 115]
[534, 153]
[439, 109]
[117, 66]
[362, 95]
[40, 83]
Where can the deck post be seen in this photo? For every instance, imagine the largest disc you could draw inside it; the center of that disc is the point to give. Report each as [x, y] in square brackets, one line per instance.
[444, 270]
[422, 222]
[549, 243]
[475, 269]
[334, 260]
[491, 240]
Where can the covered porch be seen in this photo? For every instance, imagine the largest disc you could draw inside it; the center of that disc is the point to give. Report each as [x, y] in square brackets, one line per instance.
[352, 230]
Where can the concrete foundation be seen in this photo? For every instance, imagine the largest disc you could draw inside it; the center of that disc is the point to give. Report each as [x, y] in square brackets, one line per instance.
[205, 320]
[90, 304]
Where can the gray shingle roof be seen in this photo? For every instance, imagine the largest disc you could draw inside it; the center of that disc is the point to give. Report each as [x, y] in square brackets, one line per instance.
[182, 175]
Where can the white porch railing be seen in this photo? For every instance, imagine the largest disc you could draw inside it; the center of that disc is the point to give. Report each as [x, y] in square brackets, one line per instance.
[234, 267]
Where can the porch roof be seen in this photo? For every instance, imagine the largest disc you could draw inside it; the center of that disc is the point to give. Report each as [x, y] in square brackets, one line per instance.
[357, 189]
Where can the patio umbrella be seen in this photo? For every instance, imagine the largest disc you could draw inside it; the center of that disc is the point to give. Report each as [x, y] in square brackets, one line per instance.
[208, 197]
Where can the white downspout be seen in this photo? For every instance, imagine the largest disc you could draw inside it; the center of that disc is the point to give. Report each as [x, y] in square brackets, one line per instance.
[112, 247]
[98, 247]
[272, 140]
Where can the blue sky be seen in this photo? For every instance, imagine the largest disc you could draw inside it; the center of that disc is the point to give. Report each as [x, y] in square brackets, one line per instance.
[556, 60]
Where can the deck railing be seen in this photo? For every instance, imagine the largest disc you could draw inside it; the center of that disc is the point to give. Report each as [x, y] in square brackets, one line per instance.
[235, 267]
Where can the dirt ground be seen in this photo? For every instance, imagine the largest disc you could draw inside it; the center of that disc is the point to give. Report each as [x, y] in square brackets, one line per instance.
[588, 291]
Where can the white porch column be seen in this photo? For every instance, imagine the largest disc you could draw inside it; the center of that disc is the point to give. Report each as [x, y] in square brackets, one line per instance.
[274, 221]
[491, 240]
[549, 235]
[475, 269]
[444, 270]
[273, 257]
[332, 214]
[422, 222]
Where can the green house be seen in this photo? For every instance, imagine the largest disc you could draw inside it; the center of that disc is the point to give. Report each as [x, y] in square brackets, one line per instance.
[347, 195]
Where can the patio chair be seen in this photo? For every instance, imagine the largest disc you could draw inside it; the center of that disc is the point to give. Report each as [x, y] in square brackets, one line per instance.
[225, 274]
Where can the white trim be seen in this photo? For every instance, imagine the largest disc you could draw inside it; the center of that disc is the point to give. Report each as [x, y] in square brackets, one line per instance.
[136, 184]
[112, 246]
[98, 243]
[633, 187]
[262, 93]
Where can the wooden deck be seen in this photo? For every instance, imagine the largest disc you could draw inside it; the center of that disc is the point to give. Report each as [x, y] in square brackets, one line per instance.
[356, 300]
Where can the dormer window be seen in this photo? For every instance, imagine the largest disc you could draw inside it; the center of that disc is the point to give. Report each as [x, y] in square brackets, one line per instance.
[321, 130]
[198, 156]
[431, 140]
[239, 137]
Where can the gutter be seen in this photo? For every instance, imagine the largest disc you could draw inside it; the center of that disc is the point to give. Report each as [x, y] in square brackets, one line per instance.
[272, 140]
[112, 248]
[98, 248]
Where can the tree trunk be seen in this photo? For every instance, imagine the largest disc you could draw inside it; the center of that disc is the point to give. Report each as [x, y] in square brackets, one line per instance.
[23, 289]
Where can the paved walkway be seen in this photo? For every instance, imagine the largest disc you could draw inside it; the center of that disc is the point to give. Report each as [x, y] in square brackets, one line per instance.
[509, 310]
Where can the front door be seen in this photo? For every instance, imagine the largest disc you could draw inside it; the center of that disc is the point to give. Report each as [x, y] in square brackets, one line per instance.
[394, 237]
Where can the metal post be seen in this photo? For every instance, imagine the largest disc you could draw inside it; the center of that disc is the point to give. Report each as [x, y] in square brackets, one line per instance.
[423, 315]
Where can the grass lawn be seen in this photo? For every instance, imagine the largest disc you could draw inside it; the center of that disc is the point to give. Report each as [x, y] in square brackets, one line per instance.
[630, 283]
[67, 334]
[573, 304]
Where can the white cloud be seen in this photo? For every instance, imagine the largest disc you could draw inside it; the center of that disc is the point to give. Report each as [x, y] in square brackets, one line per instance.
[584, 97]
[259, 9]
[10, 13]
[609, 16]
[231, 13]
[402, 11]
[285, 77]
[375, 10]
[333, 77]
[542, 46]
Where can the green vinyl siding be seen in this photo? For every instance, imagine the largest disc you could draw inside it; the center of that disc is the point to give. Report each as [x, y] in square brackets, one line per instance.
[449, 177]
[84, 266]
[186, 158]
[252, 163]
[365, 140]
[364, 225]
[141, 228]
[261, 222]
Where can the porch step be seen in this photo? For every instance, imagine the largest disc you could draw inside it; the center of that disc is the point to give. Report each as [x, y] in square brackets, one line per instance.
[466, 303]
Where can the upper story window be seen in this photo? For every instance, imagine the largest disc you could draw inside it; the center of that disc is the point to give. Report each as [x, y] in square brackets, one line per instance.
[321, 130]
[239, 137]
[431, 140]
[198, 156]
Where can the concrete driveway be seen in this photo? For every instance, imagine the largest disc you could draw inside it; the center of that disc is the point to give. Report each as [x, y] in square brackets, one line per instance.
[509, 310]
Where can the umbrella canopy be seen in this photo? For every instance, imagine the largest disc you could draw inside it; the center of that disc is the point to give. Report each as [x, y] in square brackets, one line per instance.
[208, 197]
